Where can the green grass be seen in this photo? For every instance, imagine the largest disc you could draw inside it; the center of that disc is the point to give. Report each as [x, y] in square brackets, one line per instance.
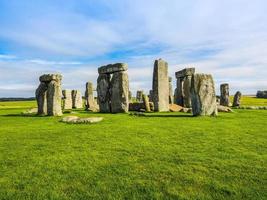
[251, 101]
[159, 156]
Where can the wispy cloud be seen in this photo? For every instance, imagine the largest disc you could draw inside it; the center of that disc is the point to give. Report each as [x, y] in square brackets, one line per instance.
[75, 37]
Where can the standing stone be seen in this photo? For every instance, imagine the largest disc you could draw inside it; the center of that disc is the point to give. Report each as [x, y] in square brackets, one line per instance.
[178, 94]
[49, 94]
[130, 96]
[146, 102]
[150, 95]
[203, 95]
[183, 85]
[41, 96]
[170, 91]
[67, 99]
[224, 98]
[119, 92]
[161, 86]
[89, 96]
[77, 101]
[54, 96]
[237, 99]
[113, 88]
[139, 95]
[103, 92]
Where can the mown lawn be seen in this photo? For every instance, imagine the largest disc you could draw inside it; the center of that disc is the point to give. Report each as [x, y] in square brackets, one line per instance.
[158, 156]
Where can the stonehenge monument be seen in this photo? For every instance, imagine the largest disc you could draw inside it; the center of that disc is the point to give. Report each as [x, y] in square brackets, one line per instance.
[203, 95]
[77, 101]
[237, 98]
[67, 99]
[261, 94]
[89, 96]
[224, 98]
[49, 94]
[113, 88]
[183, 85]
[170, 91]
[161, 86]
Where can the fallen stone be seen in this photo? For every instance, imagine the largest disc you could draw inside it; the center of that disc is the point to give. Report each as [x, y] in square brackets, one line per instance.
[224, 108]
[78, 120]
[175, 108]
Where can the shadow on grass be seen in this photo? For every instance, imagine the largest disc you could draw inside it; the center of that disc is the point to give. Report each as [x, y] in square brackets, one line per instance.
[171, 116]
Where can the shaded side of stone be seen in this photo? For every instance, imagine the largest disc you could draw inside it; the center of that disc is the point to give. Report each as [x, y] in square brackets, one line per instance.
[103, 93]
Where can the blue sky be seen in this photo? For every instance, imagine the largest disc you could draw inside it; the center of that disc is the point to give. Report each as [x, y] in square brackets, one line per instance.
[226, 38]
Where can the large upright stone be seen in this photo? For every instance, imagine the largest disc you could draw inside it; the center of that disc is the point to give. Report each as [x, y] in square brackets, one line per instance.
[41, 97]
[119, 92]
[146, 102]
[89, 96]
[224, 98]
[54, 96]
[203, 95]
[237, 99]
[49, 94]
[103, 92]
[67, 99]
[139, 95]
[170, 91]
[161, 86]
[77, 101]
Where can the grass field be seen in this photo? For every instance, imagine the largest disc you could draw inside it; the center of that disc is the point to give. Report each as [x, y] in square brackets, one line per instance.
[158, 156]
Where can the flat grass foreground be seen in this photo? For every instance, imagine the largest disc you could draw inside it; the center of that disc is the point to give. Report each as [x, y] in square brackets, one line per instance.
[156, 156]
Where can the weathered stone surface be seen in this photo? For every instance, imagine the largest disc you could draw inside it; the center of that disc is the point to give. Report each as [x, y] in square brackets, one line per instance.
[89, 96]
[49, 94]
[139, 95]
[103, 93]
[261, 94]
[130, 96]
[78, 120]
[237, 99]
[175, 108]
[77, 101]
[203, 95]
[178, 93]
[67, 99]
[41, 97]
[150, 95]
[146, 102]
[182, 94]
[185, 72]
[186, 92]
[112, 68]
[119, 92]
[54, 95]
[161, 86]
[224, 98]
[50, 77]
[221, 108]
[170, 91]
